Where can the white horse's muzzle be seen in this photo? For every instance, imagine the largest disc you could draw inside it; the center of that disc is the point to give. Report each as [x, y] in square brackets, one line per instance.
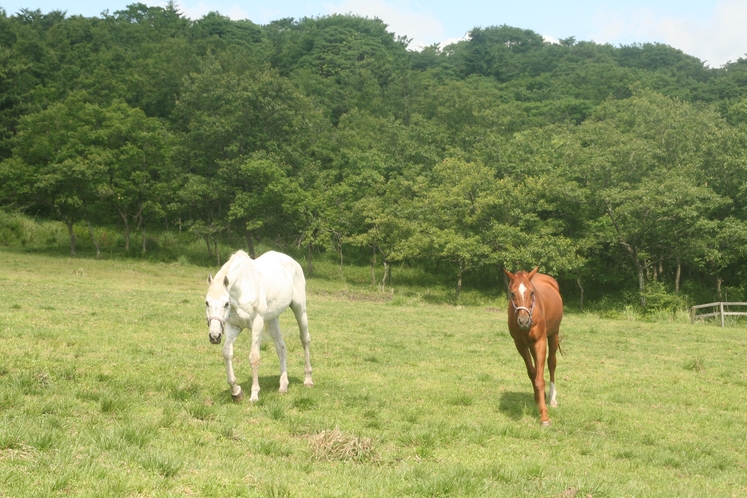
[215, 333]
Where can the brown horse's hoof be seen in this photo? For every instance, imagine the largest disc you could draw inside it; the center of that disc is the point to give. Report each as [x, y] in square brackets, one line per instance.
[238, 397]
[546, 423]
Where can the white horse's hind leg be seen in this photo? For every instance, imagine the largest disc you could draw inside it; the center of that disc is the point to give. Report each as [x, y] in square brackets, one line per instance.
[299, 309]
[273, 328]
[231, 334]
[257, 327]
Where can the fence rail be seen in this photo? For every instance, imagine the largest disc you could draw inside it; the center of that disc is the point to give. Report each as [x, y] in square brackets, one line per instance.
[721, 312]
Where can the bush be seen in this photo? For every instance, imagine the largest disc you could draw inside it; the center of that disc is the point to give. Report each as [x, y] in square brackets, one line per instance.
[659, 300]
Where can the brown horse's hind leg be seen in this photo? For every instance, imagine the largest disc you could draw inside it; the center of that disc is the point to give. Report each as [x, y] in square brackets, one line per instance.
[553, 342]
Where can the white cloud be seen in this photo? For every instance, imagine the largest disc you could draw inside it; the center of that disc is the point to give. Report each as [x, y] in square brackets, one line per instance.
[236, 12]
[715, 39]
[196, 11]
[423, 28]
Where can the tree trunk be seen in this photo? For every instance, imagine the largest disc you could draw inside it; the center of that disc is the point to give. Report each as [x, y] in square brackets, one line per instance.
[126, 228]
[127, 235]
[309, 254]
[383, 279]
[581, 288]
[459, 282]
[640, 272]
[718, 287]
[373, 265]
[90, 232]
[72, 237]
[338, 246]
[144, 239]
[209, 249]
[677, 277]
[250, 245]
[217, 252]
[641, 280]
[69, 223]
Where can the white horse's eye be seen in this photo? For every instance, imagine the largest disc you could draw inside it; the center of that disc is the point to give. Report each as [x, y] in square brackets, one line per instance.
[207, 304]
[226, 306]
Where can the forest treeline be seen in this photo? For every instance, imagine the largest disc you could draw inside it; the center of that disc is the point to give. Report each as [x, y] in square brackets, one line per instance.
[621, 170]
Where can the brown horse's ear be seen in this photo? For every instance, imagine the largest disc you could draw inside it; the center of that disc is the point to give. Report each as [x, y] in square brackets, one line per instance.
[533, 272]
[225, 281]
[210, 279]
[508, 274]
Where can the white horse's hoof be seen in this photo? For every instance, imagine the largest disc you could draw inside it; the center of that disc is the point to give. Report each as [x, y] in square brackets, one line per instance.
[254, 397]
[238, 397]
[554, 404]
[308, 383]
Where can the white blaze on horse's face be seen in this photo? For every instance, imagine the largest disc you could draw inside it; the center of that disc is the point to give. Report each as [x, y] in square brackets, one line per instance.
[522, 291]
[217, 308]
[523, 303]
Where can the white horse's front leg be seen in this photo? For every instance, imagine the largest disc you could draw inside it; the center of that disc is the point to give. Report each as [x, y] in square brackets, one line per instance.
[257, 325]
[231, 334]
[273, 328]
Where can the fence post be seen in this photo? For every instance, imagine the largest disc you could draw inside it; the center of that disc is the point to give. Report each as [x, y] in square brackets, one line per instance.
[722, 313]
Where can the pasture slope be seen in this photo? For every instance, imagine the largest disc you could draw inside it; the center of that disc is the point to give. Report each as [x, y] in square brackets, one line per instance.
[109, 387]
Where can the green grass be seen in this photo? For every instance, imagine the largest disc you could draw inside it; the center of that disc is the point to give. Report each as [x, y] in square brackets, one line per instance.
[109, 387]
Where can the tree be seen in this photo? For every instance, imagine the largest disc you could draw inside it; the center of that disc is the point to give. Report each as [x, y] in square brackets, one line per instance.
[57, 161]
[637, 162]
[453, 214]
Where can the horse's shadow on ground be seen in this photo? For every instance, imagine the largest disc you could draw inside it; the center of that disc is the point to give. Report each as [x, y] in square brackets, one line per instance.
[516, 405]
[267, 384]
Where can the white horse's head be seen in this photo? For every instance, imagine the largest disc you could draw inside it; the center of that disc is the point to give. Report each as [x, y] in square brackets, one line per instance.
[217, 308]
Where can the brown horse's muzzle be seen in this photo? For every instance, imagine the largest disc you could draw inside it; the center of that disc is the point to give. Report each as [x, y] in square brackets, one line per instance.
[524, 322]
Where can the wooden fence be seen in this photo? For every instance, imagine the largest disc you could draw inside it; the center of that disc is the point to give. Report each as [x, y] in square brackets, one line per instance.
[720, 309]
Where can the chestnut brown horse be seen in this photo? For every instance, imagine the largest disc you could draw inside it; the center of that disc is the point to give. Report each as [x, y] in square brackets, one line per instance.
[535, 310]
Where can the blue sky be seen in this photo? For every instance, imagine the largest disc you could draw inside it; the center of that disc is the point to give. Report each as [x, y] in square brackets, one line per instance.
[714, 31]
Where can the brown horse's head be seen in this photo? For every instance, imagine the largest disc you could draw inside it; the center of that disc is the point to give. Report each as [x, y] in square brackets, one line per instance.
[521, 296]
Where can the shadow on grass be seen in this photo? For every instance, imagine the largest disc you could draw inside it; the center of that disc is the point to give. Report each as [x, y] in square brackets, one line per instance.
[267, 384]
[516, 405]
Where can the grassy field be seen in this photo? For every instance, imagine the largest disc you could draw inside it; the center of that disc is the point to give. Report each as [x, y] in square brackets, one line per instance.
[109, 387]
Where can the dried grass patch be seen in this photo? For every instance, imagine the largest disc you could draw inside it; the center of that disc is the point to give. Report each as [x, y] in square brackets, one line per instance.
[335, 445]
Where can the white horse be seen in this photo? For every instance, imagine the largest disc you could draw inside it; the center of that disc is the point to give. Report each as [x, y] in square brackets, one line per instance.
[252, 294]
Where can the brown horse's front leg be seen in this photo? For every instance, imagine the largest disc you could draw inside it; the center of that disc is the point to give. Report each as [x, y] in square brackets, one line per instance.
[523, 350]
[539, 351]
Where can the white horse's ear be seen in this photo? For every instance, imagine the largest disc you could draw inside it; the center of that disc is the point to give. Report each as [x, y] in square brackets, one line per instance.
[210, 279]
[225, 281]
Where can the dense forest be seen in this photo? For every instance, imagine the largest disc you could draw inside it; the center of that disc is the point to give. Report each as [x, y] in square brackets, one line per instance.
[620, 170]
